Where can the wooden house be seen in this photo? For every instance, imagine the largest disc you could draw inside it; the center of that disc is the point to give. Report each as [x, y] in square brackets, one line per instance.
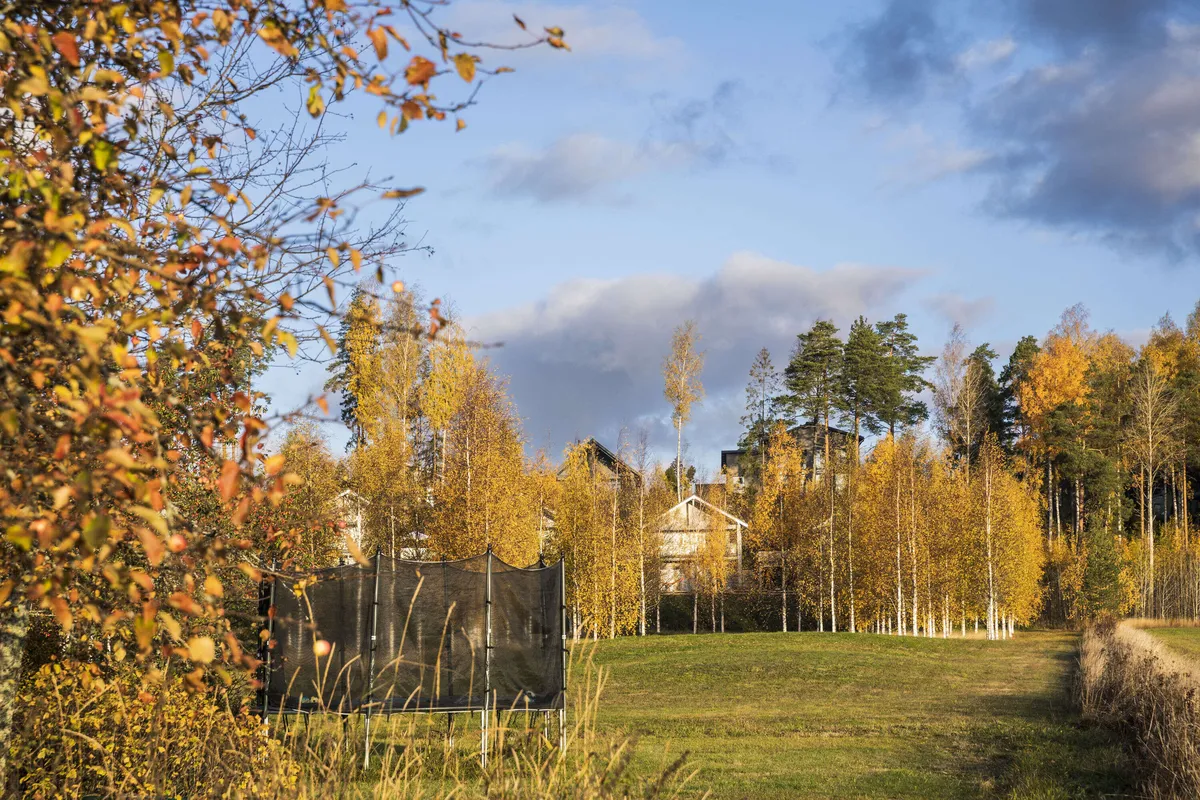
[685, 529]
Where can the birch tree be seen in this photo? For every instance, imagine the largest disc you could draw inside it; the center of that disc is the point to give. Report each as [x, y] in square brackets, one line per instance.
[1151, 438]
[682, 387]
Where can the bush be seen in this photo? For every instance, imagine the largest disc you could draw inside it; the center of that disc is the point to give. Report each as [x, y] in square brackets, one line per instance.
[81, 729]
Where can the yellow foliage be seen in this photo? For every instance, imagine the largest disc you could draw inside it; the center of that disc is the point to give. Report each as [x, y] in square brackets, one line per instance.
[82, 730]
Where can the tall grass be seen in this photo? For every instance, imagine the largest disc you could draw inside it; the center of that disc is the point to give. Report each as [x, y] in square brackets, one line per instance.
[112, 738]
[1129, 681]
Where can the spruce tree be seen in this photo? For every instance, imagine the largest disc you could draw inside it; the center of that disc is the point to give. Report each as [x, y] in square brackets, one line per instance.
[980, 361]
[762, 409]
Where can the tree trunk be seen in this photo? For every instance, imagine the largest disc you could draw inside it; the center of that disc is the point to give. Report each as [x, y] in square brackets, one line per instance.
[678, 460]
[912, 536]
[642, 594]
[695, 611]
[1049, 507]
[829, 482]
[783, 587]
[14, 625]
[612, 585]
[1150, 535]
[899, 571]
[987, 526]
[1078, 510]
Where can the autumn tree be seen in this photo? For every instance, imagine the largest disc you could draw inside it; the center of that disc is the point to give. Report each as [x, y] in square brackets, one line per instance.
[964, 395]
[1151, 438]
[132, 241]
[813, 377]
[302, 531]
[682, 387]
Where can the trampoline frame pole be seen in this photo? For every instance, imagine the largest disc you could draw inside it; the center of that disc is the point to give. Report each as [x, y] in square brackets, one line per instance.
[371, 667]
[487, 661]
[266, 692]
[562, 607]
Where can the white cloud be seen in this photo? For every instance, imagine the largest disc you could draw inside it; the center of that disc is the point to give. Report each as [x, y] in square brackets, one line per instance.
[586, 359]
[987, 54]
[926, 159]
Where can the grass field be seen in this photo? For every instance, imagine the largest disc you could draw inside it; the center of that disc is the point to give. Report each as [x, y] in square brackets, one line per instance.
[1184, 641]
[863, 716]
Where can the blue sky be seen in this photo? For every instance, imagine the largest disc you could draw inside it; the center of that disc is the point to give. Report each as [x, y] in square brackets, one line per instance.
[762, 165]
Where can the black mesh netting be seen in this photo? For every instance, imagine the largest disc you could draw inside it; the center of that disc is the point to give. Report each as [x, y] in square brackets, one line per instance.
[431, 635]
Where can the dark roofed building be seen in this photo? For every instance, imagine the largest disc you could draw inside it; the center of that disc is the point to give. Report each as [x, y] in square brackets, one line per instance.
[811, 439]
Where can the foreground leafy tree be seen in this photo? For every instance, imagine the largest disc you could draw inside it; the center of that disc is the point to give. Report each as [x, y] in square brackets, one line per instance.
[135, 241]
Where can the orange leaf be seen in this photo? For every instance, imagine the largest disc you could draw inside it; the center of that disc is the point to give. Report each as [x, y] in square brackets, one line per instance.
[65, 43]
[228, 481]
[420, 70]
[152, 545]
[323, 403]
[62, 447]
[520, 22]
[379, 38]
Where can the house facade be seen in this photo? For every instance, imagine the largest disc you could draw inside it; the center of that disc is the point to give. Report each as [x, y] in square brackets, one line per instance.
[685, 530]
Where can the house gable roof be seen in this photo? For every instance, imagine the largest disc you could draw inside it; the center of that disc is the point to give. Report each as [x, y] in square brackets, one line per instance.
[607, 457]
[698, 500]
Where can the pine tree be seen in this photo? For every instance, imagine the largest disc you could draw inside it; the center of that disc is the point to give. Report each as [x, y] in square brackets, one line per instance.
[1015, 426]
[813, 378]
[859, 385]
[902, 376]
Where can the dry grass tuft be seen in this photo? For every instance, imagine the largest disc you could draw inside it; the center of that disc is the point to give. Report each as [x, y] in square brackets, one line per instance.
[83, 735]
[1129, 681]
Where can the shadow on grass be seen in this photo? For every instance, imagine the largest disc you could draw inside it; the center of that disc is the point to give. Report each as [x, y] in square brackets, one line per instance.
[1034, 745]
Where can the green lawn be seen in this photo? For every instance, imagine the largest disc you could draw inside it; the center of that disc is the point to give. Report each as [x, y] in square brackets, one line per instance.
[840, 715]
[1184, 641]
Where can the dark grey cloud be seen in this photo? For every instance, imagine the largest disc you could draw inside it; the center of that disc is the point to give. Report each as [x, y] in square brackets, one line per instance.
[1094, 134]
[893, 56]
[1103, 146]
[586, 360]
[702, 126]
[1112, 24]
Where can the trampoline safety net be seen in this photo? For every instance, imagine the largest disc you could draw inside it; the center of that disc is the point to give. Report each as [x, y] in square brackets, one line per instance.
[431, 622]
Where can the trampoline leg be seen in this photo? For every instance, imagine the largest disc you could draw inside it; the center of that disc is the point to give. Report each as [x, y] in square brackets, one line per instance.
[483, 737]
[562, 731]
[367, 741]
